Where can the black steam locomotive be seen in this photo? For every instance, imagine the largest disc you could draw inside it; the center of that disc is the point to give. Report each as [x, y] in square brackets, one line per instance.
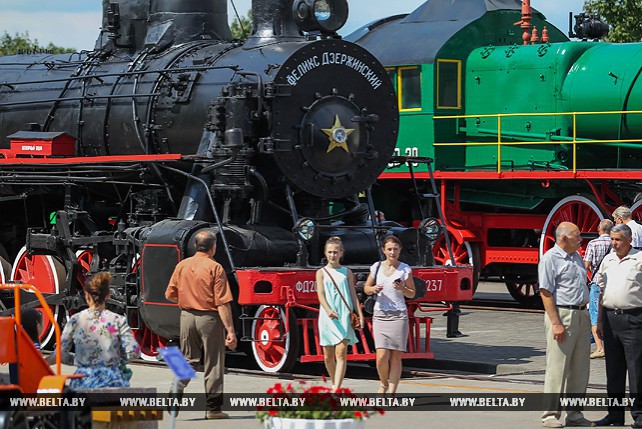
[113, 159]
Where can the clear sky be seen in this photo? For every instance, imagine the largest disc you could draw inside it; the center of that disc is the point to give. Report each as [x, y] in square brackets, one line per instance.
[75, 23]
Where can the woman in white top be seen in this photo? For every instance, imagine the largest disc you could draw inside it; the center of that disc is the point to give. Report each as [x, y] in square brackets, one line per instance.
[390, 318]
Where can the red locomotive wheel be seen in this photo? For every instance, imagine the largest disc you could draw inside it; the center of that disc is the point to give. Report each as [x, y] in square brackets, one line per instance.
[274, 349]
[149, 342]
[464, 253]
[582, 211]
[47, 274]
[147, 339]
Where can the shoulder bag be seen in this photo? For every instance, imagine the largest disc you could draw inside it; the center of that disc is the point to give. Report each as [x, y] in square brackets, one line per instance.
[369, 303]
[354, 317]
[592, 280]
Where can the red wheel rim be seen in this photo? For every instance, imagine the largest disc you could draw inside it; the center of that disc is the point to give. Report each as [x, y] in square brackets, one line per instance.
[580, 210]
[461, 252]
[46, 275]
[271, 348]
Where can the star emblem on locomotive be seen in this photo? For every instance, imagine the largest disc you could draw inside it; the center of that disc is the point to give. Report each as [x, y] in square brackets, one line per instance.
[337, 135]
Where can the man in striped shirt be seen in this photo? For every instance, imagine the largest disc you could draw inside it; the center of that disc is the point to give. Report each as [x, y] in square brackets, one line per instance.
[596, 250]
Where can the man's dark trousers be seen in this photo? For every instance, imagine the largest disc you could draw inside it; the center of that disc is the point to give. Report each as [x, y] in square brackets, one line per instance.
[623, 351]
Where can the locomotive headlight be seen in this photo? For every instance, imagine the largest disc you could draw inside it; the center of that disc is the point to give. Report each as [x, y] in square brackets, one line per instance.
[305, 228]
[326, 16]
[431, 229]
[340, 135]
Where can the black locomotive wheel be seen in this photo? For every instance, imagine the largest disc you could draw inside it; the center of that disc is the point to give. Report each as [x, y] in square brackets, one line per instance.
[5, 270]
[76, 418]
[274, 348]
[15, 419]
[525, 292]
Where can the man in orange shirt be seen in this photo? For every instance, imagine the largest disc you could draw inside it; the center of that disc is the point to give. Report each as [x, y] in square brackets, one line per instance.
[199, 286]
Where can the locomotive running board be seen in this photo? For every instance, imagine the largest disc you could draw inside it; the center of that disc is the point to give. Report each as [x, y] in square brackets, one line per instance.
[92, 159]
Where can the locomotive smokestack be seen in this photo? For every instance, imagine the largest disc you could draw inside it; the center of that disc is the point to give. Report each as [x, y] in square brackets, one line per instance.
[190, 20]
[136, 24]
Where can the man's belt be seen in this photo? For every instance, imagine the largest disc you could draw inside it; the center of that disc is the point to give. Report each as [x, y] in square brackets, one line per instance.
[573, 307]
[625, 311]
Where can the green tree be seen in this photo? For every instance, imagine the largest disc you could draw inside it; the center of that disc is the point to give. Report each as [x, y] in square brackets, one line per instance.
[241, 32]
[624, 17]
[22, 43]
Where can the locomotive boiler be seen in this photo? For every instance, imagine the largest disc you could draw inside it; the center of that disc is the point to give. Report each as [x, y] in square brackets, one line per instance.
[527, 127]
[113, 159]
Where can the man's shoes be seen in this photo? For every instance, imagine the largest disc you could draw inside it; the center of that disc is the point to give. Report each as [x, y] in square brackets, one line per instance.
[637, 424]
[216, 415]
[552, 422]
[597, 354]
[581, 422]
[609, 421]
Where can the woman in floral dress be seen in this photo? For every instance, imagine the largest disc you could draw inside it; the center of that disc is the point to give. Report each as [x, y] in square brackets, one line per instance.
[102, 340]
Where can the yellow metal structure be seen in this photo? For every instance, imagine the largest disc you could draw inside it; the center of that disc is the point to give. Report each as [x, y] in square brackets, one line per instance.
[574, 141]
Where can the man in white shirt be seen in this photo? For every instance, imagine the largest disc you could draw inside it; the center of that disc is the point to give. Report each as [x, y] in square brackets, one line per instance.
[623, 215]
[562, 286]
[620, 278]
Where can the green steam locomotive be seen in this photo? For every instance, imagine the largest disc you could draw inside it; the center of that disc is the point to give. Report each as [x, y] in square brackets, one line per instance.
[526, 128]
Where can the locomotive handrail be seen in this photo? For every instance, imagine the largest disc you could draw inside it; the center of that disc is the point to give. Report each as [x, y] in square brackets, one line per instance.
[45, 308]
[494, 115]
[574, 141]
[131, 73]
[83, 98]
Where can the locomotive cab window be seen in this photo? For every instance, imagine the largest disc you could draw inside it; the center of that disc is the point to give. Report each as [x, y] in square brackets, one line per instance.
[448, 84]
[409, 88]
